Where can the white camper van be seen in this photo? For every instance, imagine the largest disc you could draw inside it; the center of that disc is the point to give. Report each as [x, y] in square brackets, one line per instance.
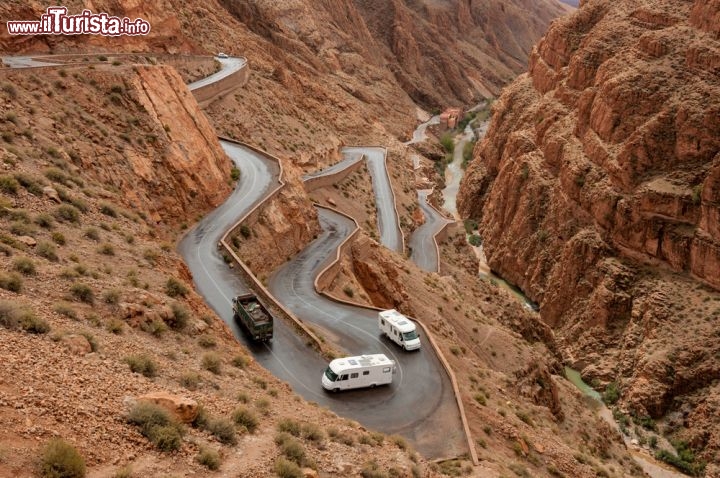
[357, 372]
[399, 328]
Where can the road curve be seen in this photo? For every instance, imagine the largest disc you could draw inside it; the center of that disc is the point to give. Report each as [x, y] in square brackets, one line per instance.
[228, 67]
[388, 222]
[420, 403]
[422, 243]
[27, 61]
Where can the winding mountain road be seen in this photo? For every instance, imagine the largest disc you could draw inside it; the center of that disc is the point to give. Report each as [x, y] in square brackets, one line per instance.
[424, 252]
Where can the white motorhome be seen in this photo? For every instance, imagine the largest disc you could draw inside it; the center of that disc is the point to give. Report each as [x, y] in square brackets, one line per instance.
[357, 372]
[399, 329]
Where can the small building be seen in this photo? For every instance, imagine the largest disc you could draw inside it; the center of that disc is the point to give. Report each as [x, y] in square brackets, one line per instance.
[450, 118]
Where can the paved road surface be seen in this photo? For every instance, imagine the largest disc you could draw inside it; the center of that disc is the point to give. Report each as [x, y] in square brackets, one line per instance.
[388, 223]
[229, 66]
[420, 403]
[422, 241]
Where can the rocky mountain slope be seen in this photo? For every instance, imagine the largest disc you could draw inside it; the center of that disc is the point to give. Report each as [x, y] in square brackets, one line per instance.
[596, 192]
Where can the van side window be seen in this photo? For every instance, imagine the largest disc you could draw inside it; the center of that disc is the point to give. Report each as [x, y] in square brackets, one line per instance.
[385, 370]
[343, 377]
[353, 375]
[382, 321]
[366, 372]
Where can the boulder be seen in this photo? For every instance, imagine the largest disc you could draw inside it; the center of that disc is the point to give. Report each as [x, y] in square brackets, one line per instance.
[27, 240]
[77, 344]
[185, 409]
[51, 193]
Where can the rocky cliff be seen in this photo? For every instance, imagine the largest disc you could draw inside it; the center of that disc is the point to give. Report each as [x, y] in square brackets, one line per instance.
[596, 189]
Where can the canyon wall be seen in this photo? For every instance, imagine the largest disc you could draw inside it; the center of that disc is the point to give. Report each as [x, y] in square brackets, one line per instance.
[597, 191]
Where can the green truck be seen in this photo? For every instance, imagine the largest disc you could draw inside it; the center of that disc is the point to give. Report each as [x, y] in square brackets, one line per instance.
[254, 316]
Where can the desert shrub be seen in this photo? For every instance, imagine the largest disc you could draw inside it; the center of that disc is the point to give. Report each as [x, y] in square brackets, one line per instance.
[157, 425]
[91, 340]
[290, 426]
[287, 469]
[25, 266]
[212, 363]
[124, 472]
[14, 315]
[190, 380]
[66, 310]
[293, 450]
[21, 228]
[245, 418]
[150, 255]
[12, 282]
[245, 231]
[67, 213]
[399, 441]
[222, 429]
[480, 398]
[142, 364]
[58, 238]
[210, 459]
[82, 292]
[61, 460]
[312, 432]
[234, 173]
[92, 234]
[8, 184]
[155, 327]
[47, 250]
[108, 210]
[475, 240]
[44, 220]
[175, 288]
[106, 249]
[372, 470]
[115, 326]
[241, 361]
[111, 296]
[207, 341]
[180, 316]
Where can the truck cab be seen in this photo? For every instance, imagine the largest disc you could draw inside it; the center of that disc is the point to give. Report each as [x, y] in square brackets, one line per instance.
[399, 329]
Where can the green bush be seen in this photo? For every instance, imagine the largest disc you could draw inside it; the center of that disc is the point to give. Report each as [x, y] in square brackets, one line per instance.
[210, 459]
[31, 185]
[83, 293]
[47, 250]
[175, 288]
[8, 184]
[234, 173]
[312, 432]
[245, 418]
[111, 296]
[61, 460]
[212, 363]
[611, 394]
[222, 429]
[14, 315]
[287, 469]
[11, 282]
[58, 238]
[142, 364]
[25, 266]
[44, 220]
[293, 450]
[155, 327]
[475, 240]
[108, 210]
[290, 426]
[67, 213]
[180, 316]
[446, 140]
[241, 361]
[157, 425]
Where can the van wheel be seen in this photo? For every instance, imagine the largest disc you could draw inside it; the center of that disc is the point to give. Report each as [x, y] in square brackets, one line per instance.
[336, 390]
[373, 385]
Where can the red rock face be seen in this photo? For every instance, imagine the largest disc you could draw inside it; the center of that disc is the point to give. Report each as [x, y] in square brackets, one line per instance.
[597, 190]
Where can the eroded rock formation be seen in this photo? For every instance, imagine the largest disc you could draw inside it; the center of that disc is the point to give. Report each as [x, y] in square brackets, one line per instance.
[597, 193]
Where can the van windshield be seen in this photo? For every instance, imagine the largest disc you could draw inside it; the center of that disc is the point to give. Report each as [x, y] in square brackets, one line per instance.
[410, 335]
[332, 376]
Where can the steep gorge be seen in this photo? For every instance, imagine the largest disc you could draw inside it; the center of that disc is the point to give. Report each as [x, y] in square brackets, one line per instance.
[596, 190]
